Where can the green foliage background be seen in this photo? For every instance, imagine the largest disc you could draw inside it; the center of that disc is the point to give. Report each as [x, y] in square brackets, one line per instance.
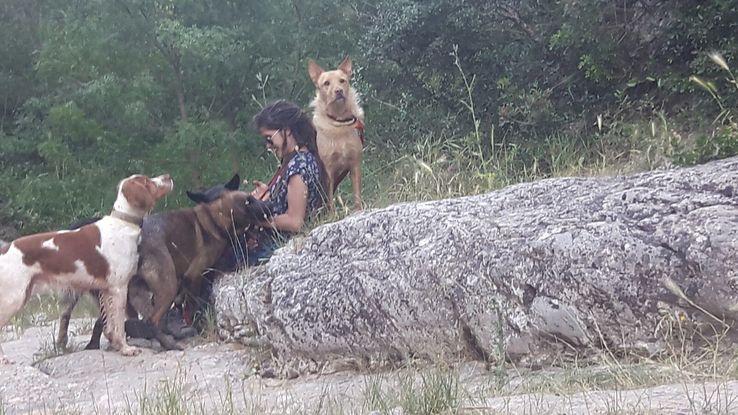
[461, 96]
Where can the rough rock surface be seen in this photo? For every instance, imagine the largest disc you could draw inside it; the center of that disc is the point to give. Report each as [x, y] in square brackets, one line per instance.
[569, 264]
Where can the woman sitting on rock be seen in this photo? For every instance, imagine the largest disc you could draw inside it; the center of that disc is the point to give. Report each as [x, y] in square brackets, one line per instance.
[296, 192]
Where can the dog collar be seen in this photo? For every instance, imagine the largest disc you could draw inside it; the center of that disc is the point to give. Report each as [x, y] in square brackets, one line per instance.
[347, 121]
[125, 217]
[208, 222]
[355, 121]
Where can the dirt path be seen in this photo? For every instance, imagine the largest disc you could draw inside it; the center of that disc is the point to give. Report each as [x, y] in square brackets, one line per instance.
[218, 378]
[205, 376]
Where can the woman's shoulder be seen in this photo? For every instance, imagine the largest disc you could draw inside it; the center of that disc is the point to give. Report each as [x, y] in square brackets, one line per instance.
[301, 160]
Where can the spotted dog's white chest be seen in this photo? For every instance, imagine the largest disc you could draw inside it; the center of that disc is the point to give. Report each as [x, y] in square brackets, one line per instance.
[119, 245]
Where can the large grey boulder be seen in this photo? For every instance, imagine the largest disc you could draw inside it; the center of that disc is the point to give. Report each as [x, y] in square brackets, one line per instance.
[570, 264]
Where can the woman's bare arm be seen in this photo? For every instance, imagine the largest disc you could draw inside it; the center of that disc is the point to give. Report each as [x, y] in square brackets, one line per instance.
[297, 197]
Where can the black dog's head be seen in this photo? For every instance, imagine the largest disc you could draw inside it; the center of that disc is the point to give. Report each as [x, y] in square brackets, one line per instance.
[213, 193]
[225, 200]
[242, 209]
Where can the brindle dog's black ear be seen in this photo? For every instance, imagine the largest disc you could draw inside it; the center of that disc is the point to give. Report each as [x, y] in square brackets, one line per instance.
[258, 209]
[234, 183]
[196, 197]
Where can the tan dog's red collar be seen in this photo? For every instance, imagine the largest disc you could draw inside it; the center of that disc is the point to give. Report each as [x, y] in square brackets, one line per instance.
[355, 121]
[345, 121]
[125, 217]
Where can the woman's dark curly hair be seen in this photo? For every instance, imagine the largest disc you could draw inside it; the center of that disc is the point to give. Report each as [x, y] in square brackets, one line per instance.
[284, 115]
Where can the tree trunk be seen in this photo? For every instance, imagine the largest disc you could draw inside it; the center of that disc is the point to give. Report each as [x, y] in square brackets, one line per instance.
[193, 155]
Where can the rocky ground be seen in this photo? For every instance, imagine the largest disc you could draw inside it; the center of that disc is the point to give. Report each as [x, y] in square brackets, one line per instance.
[211, 377]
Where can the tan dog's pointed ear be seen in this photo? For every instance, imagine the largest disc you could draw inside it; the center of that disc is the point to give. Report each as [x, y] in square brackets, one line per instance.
[314, 70]
[345, 66]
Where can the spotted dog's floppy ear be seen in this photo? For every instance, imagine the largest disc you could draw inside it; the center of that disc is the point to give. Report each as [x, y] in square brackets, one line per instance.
[139, 192]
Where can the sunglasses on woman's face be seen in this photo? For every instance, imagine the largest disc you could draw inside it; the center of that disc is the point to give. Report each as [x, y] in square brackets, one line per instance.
[270, 139]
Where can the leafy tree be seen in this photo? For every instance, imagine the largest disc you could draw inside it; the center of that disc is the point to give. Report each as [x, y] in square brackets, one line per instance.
[91, 91]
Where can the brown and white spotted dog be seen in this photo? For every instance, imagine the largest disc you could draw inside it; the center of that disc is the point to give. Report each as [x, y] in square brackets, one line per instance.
[100, 256]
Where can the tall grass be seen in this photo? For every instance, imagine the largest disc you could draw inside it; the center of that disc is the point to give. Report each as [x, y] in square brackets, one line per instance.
[426, 391]
[436, 166]
[727, 113]
[42, 309]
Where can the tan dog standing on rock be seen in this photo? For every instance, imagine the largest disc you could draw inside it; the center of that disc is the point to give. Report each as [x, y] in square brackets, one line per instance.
[339, 121]
[100, 256]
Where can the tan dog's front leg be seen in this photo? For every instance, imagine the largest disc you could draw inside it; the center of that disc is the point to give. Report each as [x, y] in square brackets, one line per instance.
[113, 301]
[329, 192]
[356, 185]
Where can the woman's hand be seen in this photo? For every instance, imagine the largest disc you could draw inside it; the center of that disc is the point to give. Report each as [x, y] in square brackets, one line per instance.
[261, 190]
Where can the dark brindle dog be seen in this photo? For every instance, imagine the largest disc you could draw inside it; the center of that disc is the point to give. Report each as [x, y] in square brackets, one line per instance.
[176, 248]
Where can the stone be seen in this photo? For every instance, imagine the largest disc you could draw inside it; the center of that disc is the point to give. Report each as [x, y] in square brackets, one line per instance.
[573, 265]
